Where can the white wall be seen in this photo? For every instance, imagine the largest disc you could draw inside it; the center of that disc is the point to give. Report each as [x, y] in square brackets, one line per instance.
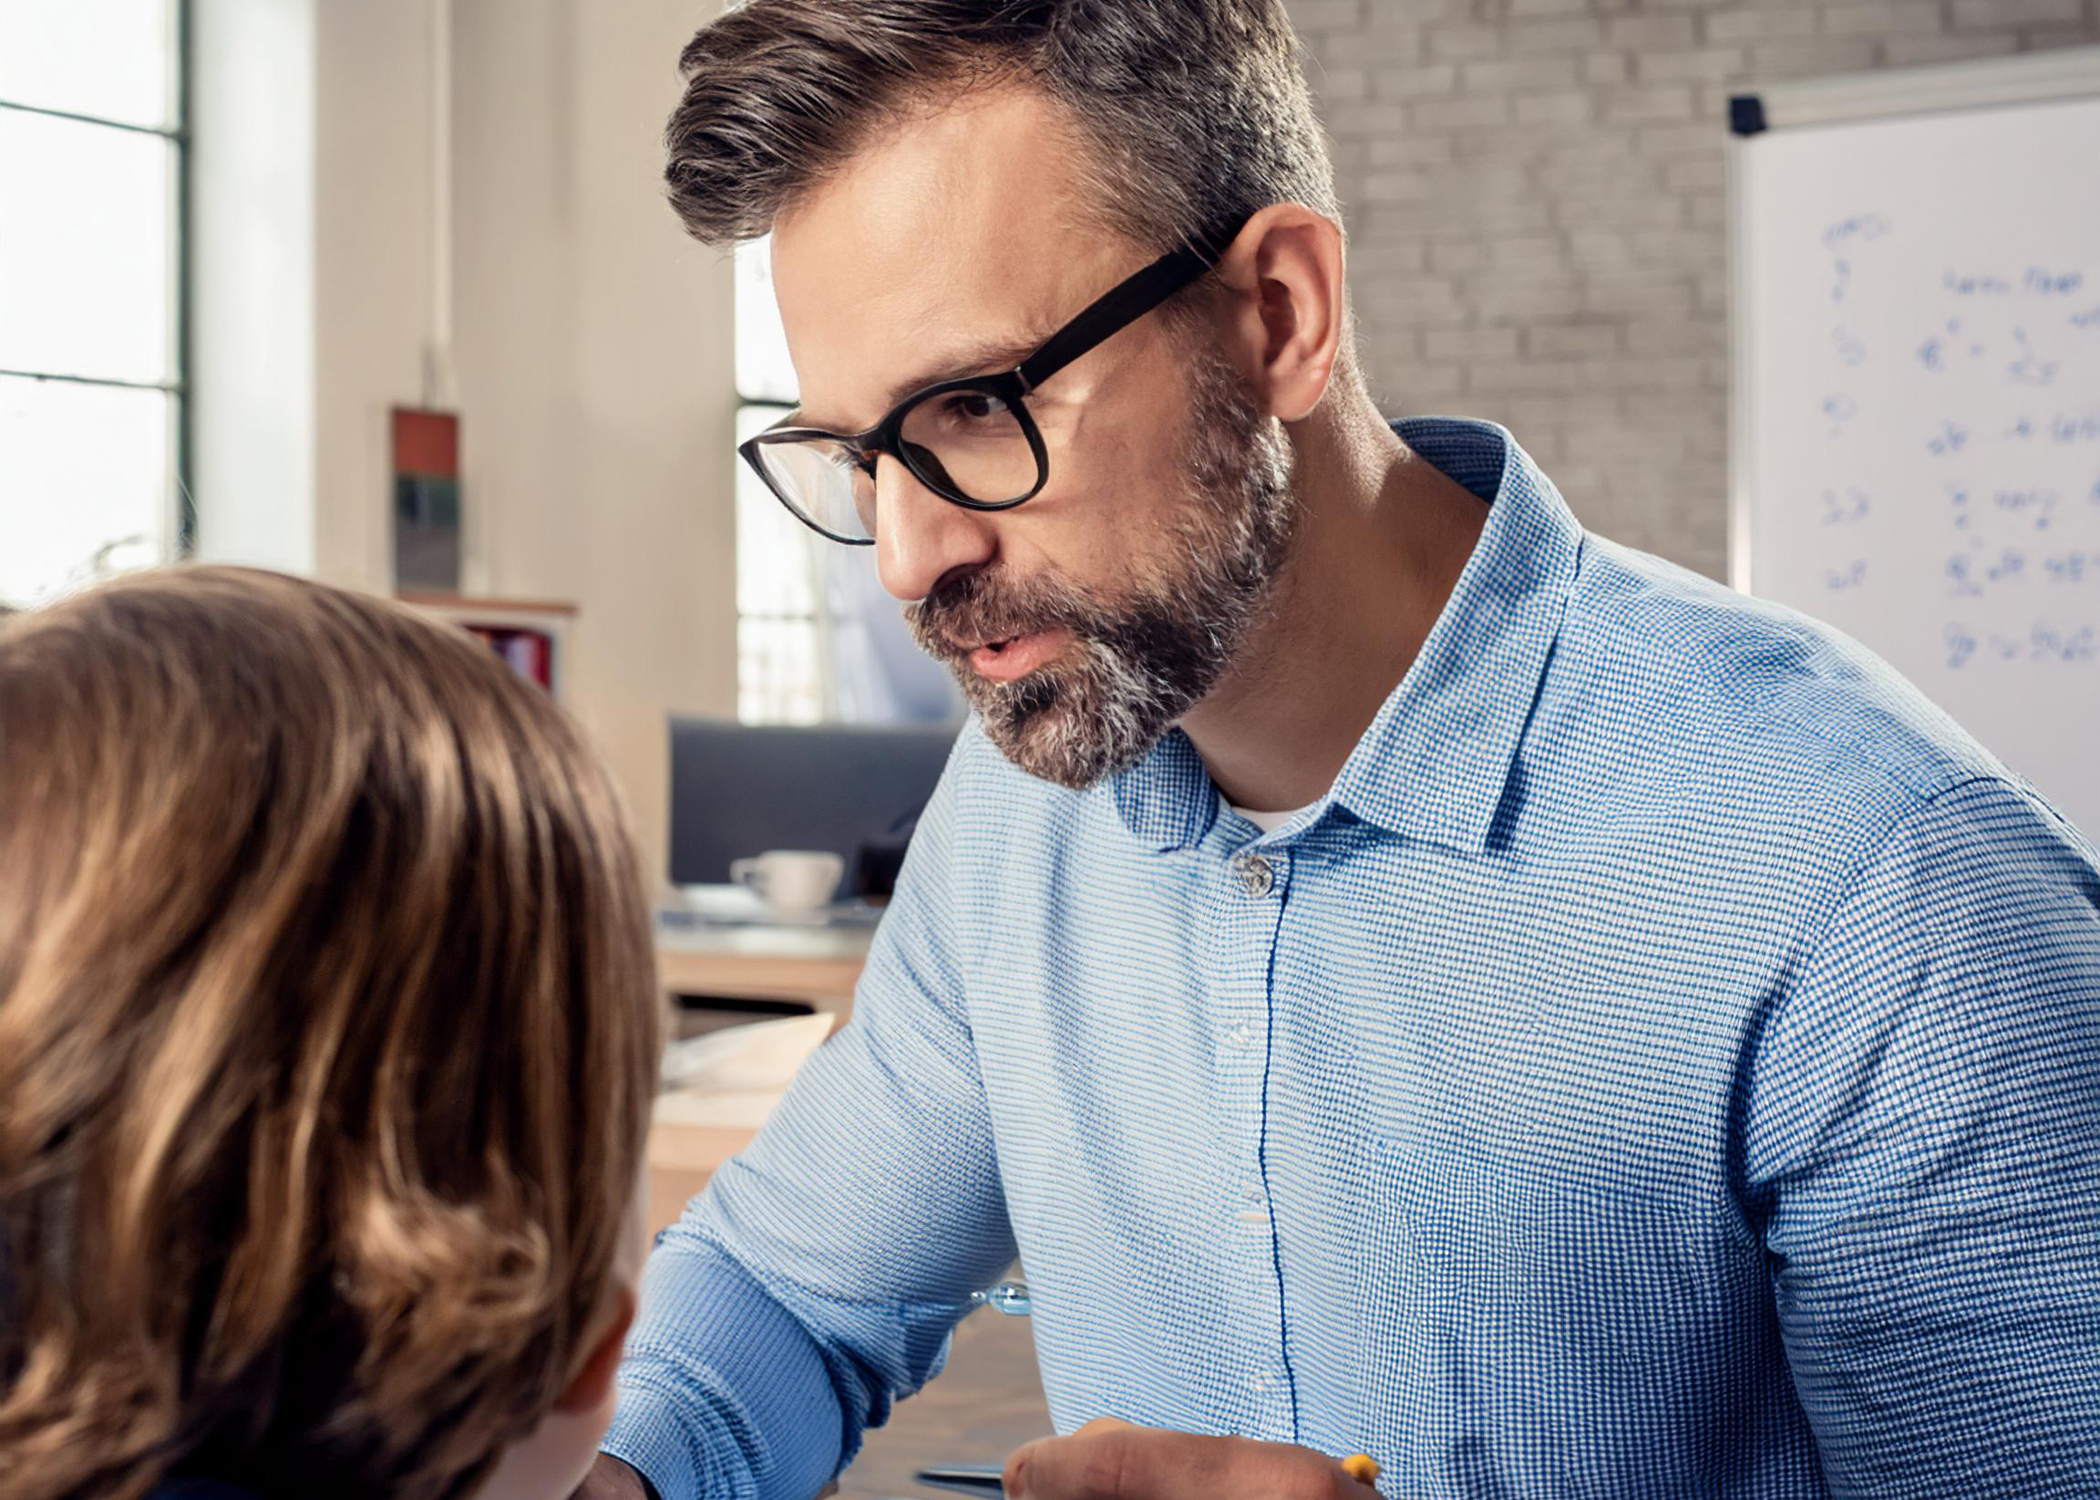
[594, 364]
[372, 267]
[252, 284]
[592, 353]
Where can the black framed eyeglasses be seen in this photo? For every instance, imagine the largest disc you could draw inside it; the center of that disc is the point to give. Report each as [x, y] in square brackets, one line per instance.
[971, 441]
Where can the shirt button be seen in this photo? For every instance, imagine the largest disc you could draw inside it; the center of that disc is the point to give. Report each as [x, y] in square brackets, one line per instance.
[1257, 876]
[1240, 1034]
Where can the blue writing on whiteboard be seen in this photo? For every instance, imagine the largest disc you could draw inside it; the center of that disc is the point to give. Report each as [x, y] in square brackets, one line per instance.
[1960, 645]
[2070, 567]
[2037, 504]
[1839, 579]
[2046, 283]
[1951, 438]
[2030, 368]
[1864, 228]
[1958, 497]
[1961, 577]
[2050, 644]
[2090, 318]
[2075, 426]
[1850, 350]
[1846, 507]
[1963, 285]
[1932, 354]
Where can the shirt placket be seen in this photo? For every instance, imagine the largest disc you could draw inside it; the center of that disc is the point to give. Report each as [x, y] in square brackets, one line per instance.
[1248, 909]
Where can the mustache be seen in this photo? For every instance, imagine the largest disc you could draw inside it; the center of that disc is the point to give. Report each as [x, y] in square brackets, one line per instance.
[976, 607]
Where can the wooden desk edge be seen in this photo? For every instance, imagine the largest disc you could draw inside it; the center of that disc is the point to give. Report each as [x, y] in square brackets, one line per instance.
[826, 983]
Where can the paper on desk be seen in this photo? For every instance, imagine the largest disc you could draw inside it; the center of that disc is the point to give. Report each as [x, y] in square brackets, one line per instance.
[758, 1057]
[733, 1109]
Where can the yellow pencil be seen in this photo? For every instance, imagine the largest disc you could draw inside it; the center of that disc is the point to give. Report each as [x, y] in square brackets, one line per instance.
[1362, 1468]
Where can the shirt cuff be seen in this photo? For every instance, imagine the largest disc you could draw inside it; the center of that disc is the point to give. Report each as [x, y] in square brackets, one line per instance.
[723, 1392]
[649, 1438]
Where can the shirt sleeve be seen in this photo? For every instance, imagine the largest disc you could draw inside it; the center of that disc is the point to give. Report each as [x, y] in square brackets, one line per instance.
[819, 1275]
[1922, 1145]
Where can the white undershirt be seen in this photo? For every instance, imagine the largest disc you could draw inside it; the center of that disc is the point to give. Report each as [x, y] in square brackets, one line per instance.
[1269, 822]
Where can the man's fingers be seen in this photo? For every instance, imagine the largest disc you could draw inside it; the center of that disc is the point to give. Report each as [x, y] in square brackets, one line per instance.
[1017, 1464]
[1114, 1461]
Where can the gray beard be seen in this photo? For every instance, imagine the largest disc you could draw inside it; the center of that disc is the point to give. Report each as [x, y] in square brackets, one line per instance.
[1142, 661]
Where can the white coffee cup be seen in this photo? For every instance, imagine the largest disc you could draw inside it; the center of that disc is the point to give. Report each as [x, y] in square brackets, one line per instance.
[793, 882]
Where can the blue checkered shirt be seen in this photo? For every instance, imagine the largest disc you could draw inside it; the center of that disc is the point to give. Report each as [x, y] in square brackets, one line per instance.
[1666, 1063]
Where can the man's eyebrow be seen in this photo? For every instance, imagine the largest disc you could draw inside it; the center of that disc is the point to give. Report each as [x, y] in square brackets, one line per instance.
[986, 357]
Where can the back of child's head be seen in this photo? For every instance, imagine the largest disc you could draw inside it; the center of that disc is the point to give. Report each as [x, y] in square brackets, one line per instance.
[327, 1036]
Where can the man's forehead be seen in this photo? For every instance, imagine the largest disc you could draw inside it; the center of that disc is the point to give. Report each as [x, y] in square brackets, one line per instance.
[953, 233]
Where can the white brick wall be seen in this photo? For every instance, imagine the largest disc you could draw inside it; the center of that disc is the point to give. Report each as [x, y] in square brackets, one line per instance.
[1535, 200]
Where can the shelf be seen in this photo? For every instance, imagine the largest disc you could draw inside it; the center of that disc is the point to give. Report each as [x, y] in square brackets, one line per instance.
[532, 635]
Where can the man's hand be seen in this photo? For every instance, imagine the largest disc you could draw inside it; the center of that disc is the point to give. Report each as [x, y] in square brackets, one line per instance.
[1111, 1460]
[610, 1479]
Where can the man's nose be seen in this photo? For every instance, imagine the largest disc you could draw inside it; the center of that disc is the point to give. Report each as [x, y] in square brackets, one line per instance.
[921, 538]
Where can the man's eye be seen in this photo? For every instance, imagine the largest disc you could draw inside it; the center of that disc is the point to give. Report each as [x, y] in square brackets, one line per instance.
[976, 406]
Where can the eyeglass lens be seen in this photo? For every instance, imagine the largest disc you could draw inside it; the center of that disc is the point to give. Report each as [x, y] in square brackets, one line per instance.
[825, 482]
[966, 444]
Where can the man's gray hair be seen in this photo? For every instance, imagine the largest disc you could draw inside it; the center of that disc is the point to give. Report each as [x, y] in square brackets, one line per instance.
[1196, 111]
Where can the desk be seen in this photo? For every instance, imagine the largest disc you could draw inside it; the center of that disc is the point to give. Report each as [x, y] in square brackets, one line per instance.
[816, 965]
[687, 1145]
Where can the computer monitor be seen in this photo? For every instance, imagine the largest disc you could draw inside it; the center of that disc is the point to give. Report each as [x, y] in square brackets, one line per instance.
[740, 789]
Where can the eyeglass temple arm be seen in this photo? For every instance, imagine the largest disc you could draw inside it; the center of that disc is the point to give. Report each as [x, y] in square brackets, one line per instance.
[1123, 304]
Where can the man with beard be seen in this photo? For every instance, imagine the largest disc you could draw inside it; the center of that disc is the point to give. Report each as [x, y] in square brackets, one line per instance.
[1403, 973]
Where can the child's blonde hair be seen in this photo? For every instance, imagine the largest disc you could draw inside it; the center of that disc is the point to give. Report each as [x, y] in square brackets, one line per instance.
[328, 1032]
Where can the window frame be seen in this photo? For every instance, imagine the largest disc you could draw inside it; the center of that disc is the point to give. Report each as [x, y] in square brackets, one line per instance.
[182, 504]
[818, 621]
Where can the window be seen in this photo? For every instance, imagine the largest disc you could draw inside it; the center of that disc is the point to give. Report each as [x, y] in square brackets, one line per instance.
[816, 636]
[780, 629]
[91, 390]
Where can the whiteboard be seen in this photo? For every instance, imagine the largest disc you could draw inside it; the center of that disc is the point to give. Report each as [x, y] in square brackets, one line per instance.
[1915, 443]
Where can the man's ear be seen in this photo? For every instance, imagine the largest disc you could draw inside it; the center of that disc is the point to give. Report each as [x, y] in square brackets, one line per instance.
[1289, 305]
[591, 1386]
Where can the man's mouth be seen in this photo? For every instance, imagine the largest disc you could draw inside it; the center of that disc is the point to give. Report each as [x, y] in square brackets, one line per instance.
[1015, 657]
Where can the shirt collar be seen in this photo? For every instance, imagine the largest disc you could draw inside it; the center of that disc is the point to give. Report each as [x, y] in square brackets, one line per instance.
[1167, 800]
[1435, 760]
